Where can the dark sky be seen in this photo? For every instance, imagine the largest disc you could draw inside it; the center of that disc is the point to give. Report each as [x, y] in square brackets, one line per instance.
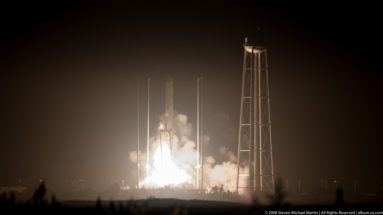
[68, 89]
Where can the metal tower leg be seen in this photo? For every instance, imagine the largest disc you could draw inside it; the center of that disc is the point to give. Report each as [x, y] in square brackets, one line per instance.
[245, 154]
[265, 141]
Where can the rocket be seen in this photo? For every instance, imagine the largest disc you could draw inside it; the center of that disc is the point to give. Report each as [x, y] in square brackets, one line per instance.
[169, 104]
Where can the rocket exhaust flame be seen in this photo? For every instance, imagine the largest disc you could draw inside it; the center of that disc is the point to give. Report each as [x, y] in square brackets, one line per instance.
[166, 167]
[164, 170]
[177, 168]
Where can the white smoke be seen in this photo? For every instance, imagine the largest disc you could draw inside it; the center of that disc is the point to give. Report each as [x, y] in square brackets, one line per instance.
[227, 155]
[224, 174]
[182, 126]
[184, 156]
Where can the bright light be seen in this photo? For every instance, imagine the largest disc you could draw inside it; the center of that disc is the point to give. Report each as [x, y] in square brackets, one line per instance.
[178, 168]
[165, 171]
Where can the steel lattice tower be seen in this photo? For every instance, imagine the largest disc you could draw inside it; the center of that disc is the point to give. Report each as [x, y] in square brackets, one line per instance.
[255, 158]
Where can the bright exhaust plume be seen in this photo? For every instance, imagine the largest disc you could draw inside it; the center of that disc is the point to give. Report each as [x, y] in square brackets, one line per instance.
[177, 168]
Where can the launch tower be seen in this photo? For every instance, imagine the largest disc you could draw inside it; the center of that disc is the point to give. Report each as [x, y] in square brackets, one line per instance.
[255, 158]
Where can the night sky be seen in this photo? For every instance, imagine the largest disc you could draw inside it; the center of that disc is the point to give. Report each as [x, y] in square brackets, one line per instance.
[69, 92]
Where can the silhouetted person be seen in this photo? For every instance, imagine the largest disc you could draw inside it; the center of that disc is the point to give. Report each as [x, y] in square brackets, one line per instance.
[54, 202]
[339, 196]
[98, 206]
[3, 199]
[279, 194]
[112, 208]
[39, 194]
[12, 200]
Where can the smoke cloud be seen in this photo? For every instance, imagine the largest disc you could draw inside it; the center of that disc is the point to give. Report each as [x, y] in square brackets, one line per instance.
[184, 158]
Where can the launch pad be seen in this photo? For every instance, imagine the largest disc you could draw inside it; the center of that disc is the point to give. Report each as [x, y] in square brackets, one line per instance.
[170, 165]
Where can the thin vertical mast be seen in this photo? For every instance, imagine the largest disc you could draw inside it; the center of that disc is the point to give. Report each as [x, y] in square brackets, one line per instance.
[201, 128]
[138, 133]
[198, 79]
[147, 131]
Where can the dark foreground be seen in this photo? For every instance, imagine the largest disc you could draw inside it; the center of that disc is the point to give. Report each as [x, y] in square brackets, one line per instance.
[38, 204]
[177, 206]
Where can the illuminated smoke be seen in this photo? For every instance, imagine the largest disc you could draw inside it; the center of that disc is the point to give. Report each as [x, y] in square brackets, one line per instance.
[179, 169]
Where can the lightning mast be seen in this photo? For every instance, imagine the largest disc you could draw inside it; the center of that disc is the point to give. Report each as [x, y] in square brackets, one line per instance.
[198, 153]
[147, 130]
[138, 133]
[255, 171]
[201, 128]
[199, 135]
